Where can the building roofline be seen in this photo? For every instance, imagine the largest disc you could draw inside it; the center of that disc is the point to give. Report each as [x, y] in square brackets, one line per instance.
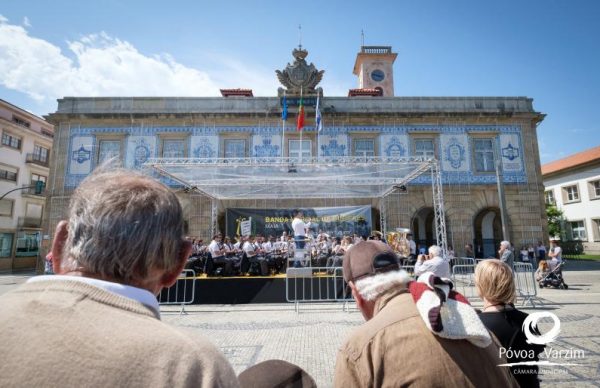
[250, 105]
[579, 159]
[31, 115]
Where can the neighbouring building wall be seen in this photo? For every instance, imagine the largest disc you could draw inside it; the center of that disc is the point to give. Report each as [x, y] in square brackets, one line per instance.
[25, 146]
[576, 192]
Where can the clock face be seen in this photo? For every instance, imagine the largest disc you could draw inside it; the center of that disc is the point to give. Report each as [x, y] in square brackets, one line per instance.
[377, 75]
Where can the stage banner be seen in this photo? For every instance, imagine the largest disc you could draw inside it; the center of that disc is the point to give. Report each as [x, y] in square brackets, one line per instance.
[335, 221]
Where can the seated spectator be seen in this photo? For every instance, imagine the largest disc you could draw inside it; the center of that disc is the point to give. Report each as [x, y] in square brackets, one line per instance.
[433, 263]
[542, 271]
[407, 340]
[495, 284]
[97, 321]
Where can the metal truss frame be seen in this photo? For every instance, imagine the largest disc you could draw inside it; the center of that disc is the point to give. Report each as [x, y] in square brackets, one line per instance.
[385, 174]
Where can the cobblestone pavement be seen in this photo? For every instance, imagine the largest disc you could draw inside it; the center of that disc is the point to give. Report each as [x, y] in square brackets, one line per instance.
[248, 334]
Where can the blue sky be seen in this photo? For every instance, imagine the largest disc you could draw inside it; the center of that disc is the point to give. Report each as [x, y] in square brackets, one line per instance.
[548, 50]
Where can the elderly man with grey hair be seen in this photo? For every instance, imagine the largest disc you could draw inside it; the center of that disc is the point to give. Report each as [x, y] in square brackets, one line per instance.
[97, 323]
[419, 333]
[506, 254]
[434, 262]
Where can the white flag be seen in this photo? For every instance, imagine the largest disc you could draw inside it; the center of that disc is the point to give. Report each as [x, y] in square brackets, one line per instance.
[318, 121]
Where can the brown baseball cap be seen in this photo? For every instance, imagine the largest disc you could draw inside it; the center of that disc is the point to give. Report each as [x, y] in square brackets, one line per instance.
[369, 258]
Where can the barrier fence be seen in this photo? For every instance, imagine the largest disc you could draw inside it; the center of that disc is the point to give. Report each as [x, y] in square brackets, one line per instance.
[463, 277]
[525, 282]
[326, 284]
[182, 293]
[316, 284]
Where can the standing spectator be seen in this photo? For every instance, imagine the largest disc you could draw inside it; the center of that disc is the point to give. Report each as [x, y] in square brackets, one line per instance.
[412, 247]
[469, 251]
[433, 263]
[495, 284]
[555, 255]
[531, 255]
[121, 245]
[506, 254]
[450, 254]
[540, 251]
[408, 340]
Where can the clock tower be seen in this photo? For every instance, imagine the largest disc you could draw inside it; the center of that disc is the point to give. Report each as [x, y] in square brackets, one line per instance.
[374, 68]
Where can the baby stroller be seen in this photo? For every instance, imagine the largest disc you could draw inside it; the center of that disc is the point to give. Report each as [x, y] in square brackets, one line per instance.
[555, 278]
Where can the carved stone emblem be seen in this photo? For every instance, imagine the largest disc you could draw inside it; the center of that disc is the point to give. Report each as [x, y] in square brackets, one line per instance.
[300, 74]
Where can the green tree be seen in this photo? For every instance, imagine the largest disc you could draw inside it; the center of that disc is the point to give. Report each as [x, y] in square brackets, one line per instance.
[556, 221]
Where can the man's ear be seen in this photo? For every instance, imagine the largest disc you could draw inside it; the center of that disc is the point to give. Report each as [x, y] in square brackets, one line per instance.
[58, 245]
[169, 278]
[357, 297]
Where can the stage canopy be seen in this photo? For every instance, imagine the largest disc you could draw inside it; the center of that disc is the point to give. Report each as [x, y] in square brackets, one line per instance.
[277, 178]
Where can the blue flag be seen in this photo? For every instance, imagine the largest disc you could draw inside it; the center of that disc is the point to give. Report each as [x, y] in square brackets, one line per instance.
[284, 111]
[318, 121]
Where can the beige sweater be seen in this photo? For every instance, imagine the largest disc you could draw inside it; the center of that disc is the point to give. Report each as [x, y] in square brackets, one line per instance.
[71, 334]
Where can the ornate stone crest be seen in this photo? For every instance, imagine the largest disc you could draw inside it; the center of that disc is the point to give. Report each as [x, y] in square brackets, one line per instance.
[300, 74]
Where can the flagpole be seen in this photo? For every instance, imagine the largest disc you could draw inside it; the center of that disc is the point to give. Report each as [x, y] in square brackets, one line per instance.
[283, 125]
[318, 125]
[301, 130]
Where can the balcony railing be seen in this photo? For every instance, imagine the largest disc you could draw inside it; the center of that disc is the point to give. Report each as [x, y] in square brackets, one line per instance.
[32, 191]
[37, 159]
[29, 222]
[376, 49]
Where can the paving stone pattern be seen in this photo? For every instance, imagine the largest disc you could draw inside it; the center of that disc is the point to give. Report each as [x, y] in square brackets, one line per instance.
[248, 334]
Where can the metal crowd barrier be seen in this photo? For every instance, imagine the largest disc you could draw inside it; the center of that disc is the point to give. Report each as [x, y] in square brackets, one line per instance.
[181, 293]
[525, 282]
[462, 261]
[316, 284]
[463, 277]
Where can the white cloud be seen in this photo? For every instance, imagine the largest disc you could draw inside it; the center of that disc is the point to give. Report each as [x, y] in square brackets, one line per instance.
[26, 22]
[101, 65]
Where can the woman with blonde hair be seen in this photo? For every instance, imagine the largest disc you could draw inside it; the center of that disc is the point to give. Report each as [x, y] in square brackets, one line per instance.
[495, 284]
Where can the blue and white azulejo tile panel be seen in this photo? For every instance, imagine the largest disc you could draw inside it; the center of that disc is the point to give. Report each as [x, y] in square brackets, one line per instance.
[204, 146]
[266, 146]
[81, 155]
[394, 145]
[139, 150]
[333, 145]
[511, 151]
[455, 152]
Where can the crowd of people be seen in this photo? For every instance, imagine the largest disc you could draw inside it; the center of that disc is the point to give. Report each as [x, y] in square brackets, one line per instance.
[96, 322]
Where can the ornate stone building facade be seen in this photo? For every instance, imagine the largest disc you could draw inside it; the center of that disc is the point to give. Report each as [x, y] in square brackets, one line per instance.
[467, 135]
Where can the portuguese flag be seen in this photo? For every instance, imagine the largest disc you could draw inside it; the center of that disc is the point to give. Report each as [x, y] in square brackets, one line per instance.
[300, 120]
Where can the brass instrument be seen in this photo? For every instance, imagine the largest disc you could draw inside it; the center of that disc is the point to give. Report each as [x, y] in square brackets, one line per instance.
[398, 241]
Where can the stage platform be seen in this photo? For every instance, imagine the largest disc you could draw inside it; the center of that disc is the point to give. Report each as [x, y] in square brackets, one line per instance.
[304, 283]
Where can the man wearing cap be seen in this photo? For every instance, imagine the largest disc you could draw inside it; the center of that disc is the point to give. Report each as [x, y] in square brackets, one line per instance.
[407, 340]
